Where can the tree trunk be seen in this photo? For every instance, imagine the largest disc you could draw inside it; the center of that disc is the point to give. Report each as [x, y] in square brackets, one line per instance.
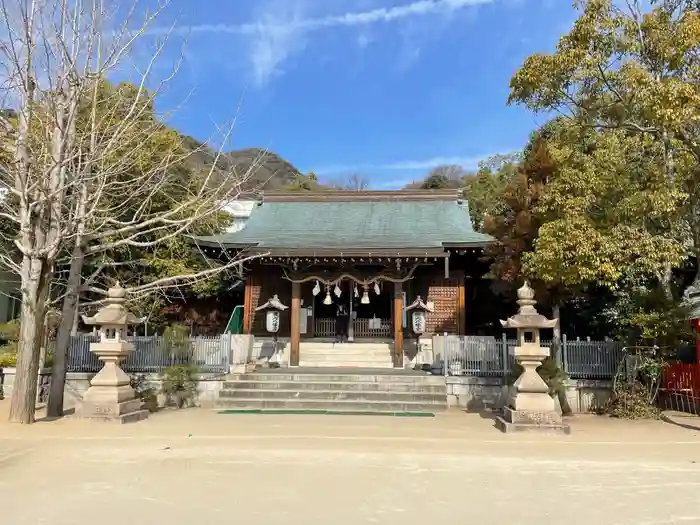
[556, 313]
[76, 317]
[35, 280]
[561, 392]
[65, 328]
[665, 283]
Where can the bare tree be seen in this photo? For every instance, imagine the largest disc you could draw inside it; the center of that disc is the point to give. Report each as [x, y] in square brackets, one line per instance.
[73, 162]
[450, 172]
[443, 177]
[354, 182]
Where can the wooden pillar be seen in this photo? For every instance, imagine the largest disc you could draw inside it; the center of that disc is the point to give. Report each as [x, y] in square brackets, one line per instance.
[398, 325]
[461, 306]
[294, 329]
[248, 306]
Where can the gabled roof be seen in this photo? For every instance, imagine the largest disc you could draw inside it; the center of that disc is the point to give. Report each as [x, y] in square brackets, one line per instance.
[378, 222]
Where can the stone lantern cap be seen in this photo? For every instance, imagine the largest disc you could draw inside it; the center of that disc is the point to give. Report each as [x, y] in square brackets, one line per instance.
[527, 316]
[113, 312]
[272, 304]
[418, 304]
[692, 300]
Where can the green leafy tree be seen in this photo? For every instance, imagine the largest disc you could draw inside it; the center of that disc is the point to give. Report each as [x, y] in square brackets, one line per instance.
[634, 73]
[607, 213]
[443, 177]
[513, 220]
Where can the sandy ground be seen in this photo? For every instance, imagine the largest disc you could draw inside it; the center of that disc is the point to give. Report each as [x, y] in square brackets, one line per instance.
[195, 466]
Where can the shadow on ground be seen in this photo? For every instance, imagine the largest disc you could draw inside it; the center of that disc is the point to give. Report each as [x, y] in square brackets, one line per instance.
[686, 421]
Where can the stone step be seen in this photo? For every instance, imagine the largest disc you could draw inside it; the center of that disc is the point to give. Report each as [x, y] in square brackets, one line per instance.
[360, 364]
[330, 377]
[337, 386]
[371, 356]
[344, 353]
[346, 344]
[328, 395]
[322, 404]
[345, 348]
[356, 363]
[349, 366]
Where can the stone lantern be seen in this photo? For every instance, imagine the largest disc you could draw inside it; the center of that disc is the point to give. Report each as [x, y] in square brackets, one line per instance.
[529, 405]
[272, 309]
[110, 396]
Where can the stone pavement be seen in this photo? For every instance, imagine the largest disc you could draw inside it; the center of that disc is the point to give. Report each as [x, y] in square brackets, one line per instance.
[195, 466]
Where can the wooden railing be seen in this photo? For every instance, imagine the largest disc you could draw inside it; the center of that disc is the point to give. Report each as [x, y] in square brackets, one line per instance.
[361, 328]
[325, 327]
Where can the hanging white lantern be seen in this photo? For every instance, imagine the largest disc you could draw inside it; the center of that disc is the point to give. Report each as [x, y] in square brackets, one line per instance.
[418, 311]
[272, 321]
[317, 289]
[418, 322]
[328, 301]
[272, 310]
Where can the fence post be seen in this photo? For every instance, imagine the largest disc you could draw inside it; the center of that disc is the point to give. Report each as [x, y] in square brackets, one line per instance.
[564, 354]
[504, 353]
[444, 354]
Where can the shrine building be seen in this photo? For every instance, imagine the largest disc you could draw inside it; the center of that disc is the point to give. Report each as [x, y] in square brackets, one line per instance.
[373, 251]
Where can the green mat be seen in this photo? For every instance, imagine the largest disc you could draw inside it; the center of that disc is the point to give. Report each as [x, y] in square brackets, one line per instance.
[327, 412]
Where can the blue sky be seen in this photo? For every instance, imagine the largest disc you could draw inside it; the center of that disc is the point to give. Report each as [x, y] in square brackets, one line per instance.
[384, 88]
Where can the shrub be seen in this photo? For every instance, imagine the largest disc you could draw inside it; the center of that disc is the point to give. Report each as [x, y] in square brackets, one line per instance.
[180, 385]
[9, 335]
[144, 391]
[636, 387]
[176, 345]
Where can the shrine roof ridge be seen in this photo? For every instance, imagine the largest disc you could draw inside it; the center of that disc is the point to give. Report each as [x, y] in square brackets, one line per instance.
[425, 222]
[361, 196]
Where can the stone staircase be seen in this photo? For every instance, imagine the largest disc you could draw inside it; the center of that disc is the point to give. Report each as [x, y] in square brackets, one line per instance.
[340, 355]
[335, 391]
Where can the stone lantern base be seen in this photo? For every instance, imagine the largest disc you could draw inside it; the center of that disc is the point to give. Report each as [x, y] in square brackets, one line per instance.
[523, 420]
[110, 396]
[529, 406]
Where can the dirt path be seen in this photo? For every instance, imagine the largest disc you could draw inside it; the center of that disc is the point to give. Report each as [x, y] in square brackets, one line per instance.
[199, 467]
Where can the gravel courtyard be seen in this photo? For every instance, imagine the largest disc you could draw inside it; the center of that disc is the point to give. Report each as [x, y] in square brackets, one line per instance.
[195, 466]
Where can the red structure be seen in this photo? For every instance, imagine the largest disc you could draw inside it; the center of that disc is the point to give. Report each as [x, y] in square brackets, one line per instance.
[684, 378]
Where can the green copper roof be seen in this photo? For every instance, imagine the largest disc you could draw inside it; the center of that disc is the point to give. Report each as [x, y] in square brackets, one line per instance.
[378, 222]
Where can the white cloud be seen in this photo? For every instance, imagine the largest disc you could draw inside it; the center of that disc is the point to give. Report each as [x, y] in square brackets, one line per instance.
[404, 165]
[278, 34]
[384, 14]
[364, 40]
